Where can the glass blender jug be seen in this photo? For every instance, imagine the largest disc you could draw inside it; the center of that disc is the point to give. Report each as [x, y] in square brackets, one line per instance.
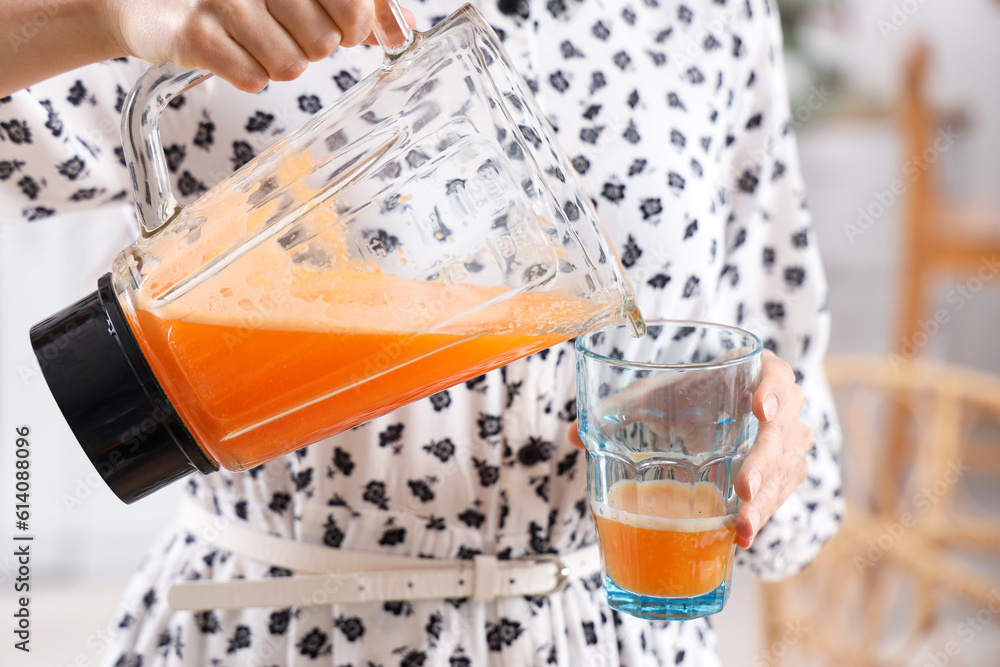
[421, 231]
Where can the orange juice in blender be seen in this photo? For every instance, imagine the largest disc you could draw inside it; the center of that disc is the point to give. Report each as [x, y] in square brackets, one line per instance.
[218, 364]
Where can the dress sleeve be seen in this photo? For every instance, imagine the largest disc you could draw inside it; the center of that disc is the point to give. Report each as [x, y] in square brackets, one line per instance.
[774, 285]
[60, 142]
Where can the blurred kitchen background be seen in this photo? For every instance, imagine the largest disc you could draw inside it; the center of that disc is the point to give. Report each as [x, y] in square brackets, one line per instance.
[907, 583]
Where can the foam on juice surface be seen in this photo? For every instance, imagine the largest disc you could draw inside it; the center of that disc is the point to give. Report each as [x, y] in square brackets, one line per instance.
[666, 505]
[265, 289]
[353, 302]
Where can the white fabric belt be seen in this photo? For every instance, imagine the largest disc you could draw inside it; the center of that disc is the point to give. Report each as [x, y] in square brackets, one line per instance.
[329, 575]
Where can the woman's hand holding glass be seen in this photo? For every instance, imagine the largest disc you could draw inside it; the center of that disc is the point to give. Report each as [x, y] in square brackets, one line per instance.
[775, 465]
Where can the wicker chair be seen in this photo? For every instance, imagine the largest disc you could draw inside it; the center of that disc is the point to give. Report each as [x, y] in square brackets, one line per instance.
[878, 589]
[943, 238]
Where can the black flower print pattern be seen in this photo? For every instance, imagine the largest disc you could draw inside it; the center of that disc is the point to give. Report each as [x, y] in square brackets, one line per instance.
[314, 644]
[391, 436]
[344, 80]
[534, 451]
[441, 449]
[240, 639]
[8, 167]
[375, 494]
[503, 633]
[333, 536]
[489, 425]
[352, 627]
[302, 479]
[278, 623]
[631, 254]
[242, 154]
[15, 131]
[421, 489]
[77, 93]
[342, 461]
[488, 474]
[440, 400]
[205, 136]
[279, 502]
[206, 622]
[413, 658]
[72, 168]
[472, 518]
[613, 192]
[392, 536]
[259, 122]
[671, 115]
[54, 123]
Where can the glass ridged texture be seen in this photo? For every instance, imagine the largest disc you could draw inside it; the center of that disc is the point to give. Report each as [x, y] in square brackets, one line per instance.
[423, 230]
[667, 421]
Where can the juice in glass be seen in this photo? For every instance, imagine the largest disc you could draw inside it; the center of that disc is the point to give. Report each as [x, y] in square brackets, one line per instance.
[665, 538]
[666, 529]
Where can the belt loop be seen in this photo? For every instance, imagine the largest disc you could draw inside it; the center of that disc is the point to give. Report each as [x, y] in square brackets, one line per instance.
[487, 573]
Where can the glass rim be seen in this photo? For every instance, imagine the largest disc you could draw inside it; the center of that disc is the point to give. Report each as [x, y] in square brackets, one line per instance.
[757, 350]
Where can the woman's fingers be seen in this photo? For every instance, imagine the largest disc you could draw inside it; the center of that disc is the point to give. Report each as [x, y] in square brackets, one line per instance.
[355, 18]
[763, 459]
[776, 464]
[266, 40]
[309, 24]
[782, 399]
[203, 43]
[776, 486]
[573, 435]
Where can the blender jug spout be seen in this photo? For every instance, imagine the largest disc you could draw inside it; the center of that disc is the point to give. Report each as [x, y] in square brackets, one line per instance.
[633, 319]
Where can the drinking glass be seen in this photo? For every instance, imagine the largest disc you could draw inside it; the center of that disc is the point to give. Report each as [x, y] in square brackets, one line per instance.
[667, 422]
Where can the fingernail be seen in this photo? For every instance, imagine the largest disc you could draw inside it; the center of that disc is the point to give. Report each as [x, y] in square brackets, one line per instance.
[753, 516]
[770, 406]
[754, 483]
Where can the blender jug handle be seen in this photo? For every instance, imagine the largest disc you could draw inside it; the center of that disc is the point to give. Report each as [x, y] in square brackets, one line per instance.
[143, 151]
[391, 29]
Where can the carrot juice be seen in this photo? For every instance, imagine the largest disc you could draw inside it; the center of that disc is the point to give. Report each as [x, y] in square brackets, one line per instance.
[665, 538]
[255, 373]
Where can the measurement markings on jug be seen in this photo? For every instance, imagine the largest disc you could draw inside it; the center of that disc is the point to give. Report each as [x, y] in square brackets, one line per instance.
[22, 541]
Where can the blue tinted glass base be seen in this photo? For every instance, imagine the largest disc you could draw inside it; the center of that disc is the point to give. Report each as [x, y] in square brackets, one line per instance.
[650, 607]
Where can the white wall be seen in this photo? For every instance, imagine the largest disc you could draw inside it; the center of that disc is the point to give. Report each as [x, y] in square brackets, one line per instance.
[80, 559]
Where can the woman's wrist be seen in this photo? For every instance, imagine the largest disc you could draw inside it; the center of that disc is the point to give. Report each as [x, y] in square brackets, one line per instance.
[104, 17]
